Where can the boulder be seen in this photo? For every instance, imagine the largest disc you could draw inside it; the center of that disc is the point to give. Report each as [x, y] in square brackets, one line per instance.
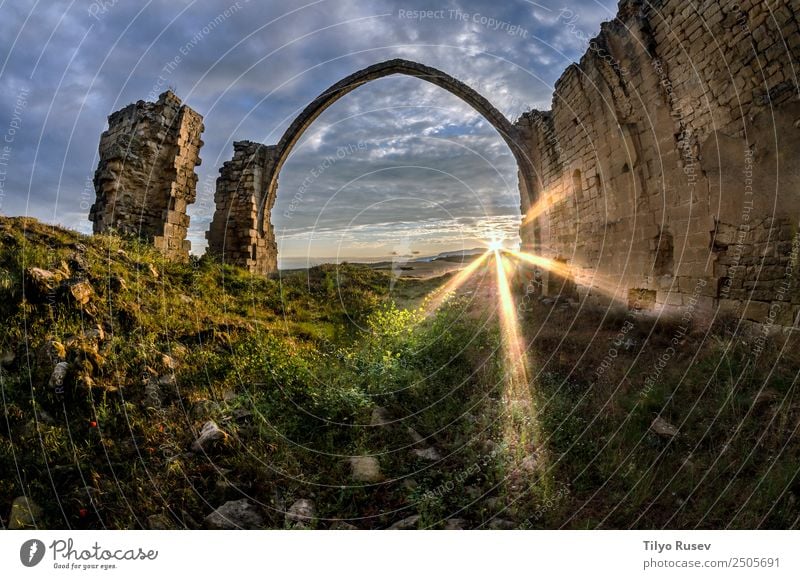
[365, 469]
[79, 290]
[241, 514]
[211, 436]
[406, 524]
[24, 513]
[301, 514]
[428, 453]
[39, 284]
[663, 428]
[57, 377]
[380, 417]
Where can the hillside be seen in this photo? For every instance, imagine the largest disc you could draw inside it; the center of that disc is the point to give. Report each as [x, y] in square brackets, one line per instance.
[140, 393]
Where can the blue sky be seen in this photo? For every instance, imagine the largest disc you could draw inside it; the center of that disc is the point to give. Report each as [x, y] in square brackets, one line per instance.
[422, 170]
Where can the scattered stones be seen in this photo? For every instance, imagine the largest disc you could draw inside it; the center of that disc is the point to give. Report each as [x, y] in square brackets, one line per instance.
[663, 428]
[406, 524]
[365, 469]
[24, 514]
[428, 453]
[211, 437]
[301, 514]
[241, 514]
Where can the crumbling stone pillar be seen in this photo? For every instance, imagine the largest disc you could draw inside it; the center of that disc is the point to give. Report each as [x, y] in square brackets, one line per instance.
[145, 178]
[241, 232]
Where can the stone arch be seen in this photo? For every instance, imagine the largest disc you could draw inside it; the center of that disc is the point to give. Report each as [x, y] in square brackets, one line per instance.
[272, 159]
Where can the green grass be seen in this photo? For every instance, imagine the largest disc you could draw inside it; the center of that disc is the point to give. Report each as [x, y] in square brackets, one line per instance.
[293, 366]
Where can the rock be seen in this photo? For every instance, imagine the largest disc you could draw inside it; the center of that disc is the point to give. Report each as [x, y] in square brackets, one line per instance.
[24, 514]
[79, 263]
[58, 376]
[301, 514]
[52, 352]
[415, 436]
[428, 453]
[186, 299]
[342, 526]
[211, 436]
[456, 525]
[39, 284]
[153, 270]
[79, 290]
[168, 362]
[365, 469]
[406, 524]
[663, 428]
[95, 334]
[167, 380]
[160, 523]
[380, 417]
[501, 525]
[7, 358]
[241, 514]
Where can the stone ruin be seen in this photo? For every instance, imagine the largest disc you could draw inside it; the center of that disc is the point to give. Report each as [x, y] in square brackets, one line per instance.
[668, 170]
[145, 178]
[241, 232]
[665, 177]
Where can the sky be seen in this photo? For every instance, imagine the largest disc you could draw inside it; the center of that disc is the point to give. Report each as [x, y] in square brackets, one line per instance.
[415, 168]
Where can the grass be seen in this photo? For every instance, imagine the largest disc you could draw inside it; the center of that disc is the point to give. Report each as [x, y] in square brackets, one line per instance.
[294, 368]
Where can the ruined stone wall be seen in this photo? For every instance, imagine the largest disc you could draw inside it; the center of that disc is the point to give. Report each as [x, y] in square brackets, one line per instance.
[241, 232]
[667, 172]
[146, 175]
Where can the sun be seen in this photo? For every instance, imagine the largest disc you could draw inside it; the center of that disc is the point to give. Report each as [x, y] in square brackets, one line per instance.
[496, 244]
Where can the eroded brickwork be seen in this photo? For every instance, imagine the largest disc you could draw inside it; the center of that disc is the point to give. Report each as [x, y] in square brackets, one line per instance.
[241, 232]
[669, 164]
[146, 175]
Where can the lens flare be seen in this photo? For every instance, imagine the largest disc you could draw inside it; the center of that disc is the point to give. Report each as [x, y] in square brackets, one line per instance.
[442, 294]
[516, 362]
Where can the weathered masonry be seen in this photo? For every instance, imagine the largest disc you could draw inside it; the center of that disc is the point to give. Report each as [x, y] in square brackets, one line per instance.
[667, 173]
[145, 178]
[241, 232]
